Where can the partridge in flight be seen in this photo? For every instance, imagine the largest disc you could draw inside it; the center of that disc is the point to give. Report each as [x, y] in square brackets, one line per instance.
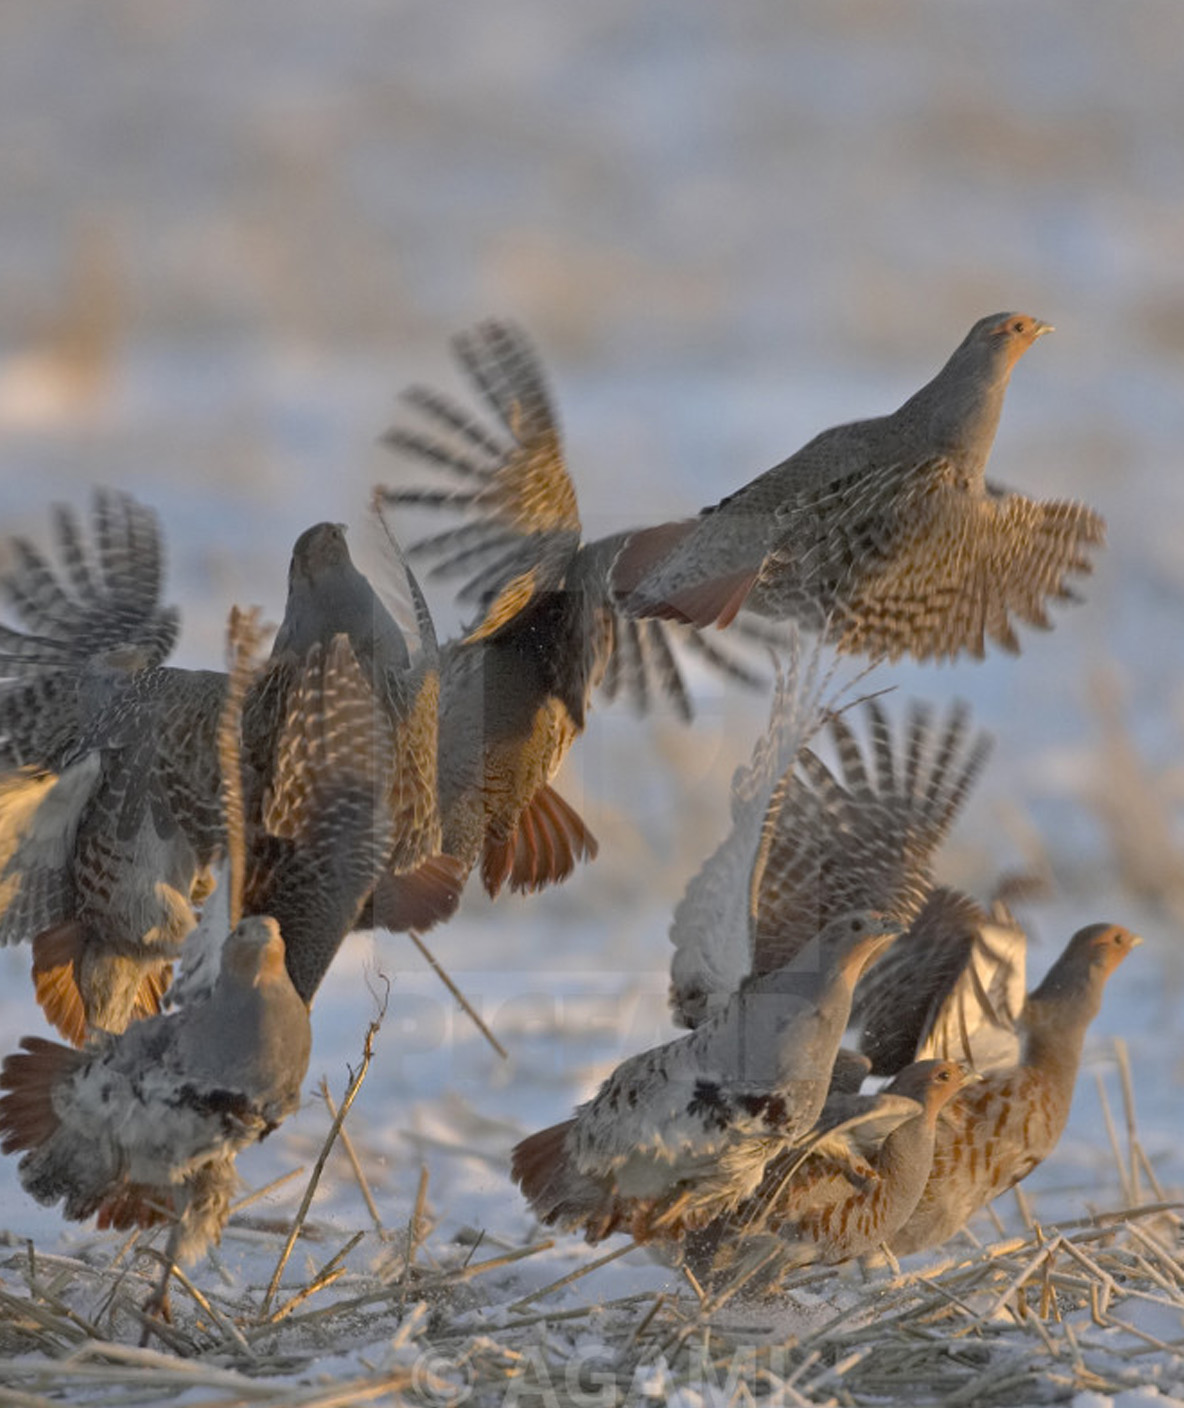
[516, 689]
[885, 534]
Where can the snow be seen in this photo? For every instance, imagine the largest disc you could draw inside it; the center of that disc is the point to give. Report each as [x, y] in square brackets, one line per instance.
[229, 234]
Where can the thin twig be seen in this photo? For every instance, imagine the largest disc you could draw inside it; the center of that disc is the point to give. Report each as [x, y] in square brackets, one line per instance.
[355, 1163]
[229, 1329]
[415, 1225]
[1128, 1105]
[319, 1167]
[1112, 1136]
[248, 1199]
[472, 1013]
[571, 1276]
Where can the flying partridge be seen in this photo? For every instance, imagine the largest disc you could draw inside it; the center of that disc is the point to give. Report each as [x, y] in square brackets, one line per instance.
[516, 689]
[681, 1134]
[885, 534]
[109, 809]
[329, 597]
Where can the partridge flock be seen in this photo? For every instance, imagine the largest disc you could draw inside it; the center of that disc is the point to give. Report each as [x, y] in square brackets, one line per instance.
[185, 850]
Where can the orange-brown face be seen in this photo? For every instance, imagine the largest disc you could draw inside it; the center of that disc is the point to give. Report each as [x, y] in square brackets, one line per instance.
[254, 952]
[1106, 944]
[946, 1080]
[933, 1083]
[1018, 332]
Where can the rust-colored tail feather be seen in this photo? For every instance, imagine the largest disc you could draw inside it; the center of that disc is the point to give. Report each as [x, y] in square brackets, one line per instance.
[714, 601]
[135, 1205]
[557, 1191]
[539, 1166]
[542, 850]
[28, 1078]
[644, 550]
[420, 898]
[55, 978]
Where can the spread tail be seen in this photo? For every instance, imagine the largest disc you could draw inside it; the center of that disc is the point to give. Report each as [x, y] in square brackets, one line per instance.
[28, 1078]
[542, 850]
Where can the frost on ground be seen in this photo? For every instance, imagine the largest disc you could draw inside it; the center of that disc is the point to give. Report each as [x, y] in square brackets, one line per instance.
[416, 1270]
[228, 234]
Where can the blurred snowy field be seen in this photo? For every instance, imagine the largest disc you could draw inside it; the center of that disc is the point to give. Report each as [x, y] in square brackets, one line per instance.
[229, 234]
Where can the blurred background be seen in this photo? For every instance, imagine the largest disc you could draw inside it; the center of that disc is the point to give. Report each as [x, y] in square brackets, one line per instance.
[229, 234]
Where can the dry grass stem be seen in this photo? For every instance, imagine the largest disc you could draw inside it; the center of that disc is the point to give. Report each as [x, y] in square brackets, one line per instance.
[572, 1276]
[318, 1168]
[464, 1003]
[354, 1162]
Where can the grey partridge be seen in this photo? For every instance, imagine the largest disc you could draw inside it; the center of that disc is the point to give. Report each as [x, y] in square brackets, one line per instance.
[516, 689]
[849, 1185]
[681, 1134]
[995, 1133]
[103, 750]
[329, 597]
[144, 1125]
[885, 533]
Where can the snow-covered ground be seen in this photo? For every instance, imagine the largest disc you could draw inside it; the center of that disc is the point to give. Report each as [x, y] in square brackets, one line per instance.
[229, 233]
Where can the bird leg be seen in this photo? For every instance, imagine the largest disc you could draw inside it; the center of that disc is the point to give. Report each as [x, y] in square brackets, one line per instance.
[157, 1306]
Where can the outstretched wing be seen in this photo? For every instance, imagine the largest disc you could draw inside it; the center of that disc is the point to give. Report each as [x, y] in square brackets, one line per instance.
[100, 605]
[711, 931]
[961, 567]
[105, 596]
[952, 987]
[521, 532]
[864, 838]
[512, 482]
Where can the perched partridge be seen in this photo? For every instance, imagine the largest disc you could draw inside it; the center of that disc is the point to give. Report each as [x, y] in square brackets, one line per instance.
[883, 533]
[682, 1133]
[849, 1186]
[515, 691]
[145, 1124]
[995, 1133]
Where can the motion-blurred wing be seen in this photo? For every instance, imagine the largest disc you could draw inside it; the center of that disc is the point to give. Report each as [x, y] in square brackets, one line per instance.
[864, 836]
[952, 987]
[712, 922]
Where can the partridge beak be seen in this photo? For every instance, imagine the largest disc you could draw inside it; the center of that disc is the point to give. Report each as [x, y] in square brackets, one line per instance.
[1136, 940]
[1041, 328]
